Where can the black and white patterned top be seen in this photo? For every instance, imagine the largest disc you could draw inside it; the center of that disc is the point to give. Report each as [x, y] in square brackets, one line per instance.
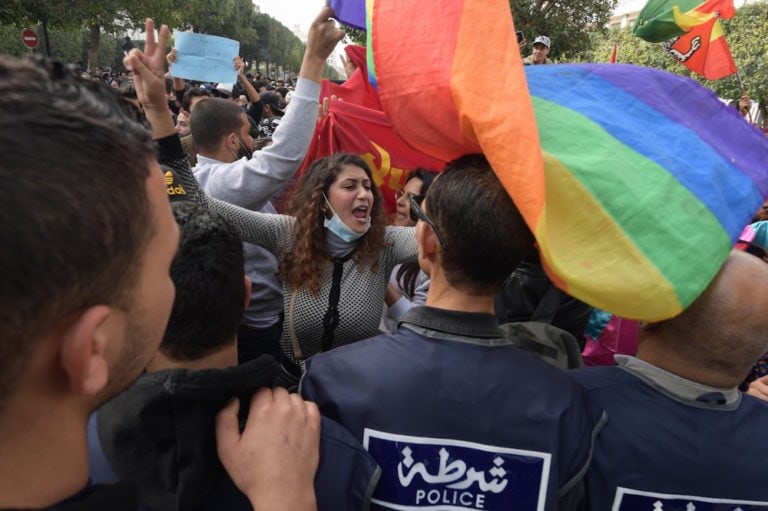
[358, 292]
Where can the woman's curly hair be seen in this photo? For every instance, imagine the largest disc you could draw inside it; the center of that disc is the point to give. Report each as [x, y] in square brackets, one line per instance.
[302, 265]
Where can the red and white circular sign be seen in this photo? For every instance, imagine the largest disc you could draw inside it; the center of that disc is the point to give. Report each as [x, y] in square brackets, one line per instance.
[29, 38]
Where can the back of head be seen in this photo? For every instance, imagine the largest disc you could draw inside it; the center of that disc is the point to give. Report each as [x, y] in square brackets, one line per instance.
[726, 329]
[214, 119]
[190, 94]
[485, 234]
[210, 292]
[75, 215]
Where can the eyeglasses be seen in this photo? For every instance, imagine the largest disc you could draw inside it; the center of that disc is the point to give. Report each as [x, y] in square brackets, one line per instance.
[402, 193]
[408, 197]
[419, 214]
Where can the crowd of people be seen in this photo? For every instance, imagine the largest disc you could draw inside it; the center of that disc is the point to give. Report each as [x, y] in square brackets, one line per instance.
[168, 340]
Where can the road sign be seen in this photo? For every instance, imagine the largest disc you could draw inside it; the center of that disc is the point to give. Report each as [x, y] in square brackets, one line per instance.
[29, 38]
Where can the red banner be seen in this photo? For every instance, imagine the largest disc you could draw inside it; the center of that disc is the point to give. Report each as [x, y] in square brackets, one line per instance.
[355, 129]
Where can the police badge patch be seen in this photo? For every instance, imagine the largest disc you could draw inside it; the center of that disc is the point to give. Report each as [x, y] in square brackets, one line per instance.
[420, 473]
[628, 499]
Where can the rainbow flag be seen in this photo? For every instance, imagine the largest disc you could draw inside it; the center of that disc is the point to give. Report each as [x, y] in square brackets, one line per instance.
[350, 13]
[649, 175]
[704, 51]
[661, 20]
[635, 182]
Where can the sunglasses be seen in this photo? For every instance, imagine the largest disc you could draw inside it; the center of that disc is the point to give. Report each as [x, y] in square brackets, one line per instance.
[418, 214]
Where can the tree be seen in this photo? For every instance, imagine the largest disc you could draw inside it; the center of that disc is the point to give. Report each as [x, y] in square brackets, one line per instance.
[97, 16]
[20, 13]
[566, 22]
[278, 48]
[331, 73]
[747, 36]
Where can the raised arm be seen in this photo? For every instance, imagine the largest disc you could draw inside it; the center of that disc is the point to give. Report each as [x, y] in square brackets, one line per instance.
[179, 85]
[250, 90]
[148, 68]
[267, 231]
[255, 182]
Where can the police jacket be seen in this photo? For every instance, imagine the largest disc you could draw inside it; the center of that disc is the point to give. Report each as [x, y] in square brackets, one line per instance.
[456, 416]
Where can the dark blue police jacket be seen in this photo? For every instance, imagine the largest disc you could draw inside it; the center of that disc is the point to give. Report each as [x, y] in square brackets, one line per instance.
[456, 417]
[662, 452]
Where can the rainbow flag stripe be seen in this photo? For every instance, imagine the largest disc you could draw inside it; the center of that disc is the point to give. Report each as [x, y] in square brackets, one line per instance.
[652, 167]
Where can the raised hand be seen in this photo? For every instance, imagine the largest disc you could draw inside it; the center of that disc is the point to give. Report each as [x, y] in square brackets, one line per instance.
[321, 40]
[148, 69]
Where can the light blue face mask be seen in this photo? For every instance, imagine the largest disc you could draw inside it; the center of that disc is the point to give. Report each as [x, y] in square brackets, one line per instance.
[339, 228]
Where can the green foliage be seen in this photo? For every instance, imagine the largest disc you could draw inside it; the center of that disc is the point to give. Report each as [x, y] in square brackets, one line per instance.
[568, 24]
[354, 35]
[331, 73]
[262, 38]
[10, 41]
[66, 45]
[21, 13]
[277, 45]
[747, 36]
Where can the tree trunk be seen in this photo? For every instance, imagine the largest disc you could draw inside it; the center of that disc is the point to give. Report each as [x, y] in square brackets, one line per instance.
[94, 36]
[46, 37]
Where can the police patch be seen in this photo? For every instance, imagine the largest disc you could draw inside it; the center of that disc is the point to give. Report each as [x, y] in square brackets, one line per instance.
[628, 499]
[420, 473]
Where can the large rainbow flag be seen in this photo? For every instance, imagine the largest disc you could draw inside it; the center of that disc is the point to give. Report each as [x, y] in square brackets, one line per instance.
[635, 182]
[661, 20]
[649, 175]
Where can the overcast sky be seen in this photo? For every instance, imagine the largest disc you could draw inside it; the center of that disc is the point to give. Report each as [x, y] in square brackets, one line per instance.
[292, 12]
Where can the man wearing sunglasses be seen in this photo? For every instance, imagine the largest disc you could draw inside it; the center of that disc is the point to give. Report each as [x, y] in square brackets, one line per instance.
[454, 414]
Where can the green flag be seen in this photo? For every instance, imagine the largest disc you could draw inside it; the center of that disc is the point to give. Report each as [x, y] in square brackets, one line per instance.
[661, 20]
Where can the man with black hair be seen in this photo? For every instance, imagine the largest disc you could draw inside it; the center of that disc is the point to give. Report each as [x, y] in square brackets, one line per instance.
[274, 109]
[159, 433]
[91, 214]
[190, 98]
[454, 414]
[103, 231]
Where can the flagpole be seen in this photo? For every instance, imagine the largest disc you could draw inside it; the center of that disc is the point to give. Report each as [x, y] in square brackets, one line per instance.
[741, 83]
[743, 93]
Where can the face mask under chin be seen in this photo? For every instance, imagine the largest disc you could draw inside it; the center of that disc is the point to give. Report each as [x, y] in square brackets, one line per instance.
[337, 226]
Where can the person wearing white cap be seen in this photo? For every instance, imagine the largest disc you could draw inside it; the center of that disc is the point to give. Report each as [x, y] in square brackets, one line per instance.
[540, 53]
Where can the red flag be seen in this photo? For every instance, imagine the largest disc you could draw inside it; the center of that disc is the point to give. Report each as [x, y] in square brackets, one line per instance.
[355, 129]
[613, 53]
[358, 125]
[356, 89]
[704, 51]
